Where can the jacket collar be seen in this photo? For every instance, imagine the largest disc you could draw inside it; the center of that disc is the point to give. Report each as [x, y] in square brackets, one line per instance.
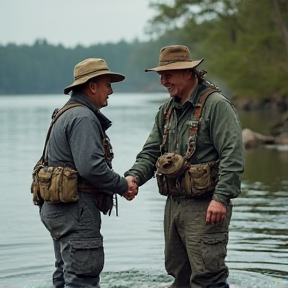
[83, 99]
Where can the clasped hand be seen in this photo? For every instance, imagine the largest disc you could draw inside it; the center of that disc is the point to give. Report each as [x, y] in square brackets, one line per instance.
[132, 188]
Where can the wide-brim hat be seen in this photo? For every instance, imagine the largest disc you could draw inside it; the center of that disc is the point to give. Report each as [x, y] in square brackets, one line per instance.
[175, 57]
[90, 68]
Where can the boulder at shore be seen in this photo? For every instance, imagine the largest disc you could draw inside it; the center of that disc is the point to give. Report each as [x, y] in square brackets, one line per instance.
[253, 139]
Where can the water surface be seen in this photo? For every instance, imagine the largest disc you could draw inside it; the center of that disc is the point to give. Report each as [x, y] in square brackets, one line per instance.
[258, 246]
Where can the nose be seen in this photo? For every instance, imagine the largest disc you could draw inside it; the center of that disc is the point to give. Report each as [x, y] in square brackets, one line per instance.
[110, 91]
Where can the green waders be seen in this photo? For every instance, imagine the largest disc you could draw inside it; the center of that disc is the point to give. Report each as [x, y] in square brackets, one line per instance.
[195, 251]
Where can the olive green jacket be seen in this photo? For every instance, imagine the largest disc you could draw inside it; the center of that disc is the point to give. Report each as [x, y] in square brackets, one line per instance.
[219, 136]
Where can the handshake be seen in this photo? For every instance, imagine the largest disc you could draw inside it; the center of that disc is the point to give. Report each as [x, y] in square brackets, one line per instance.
[132, 188]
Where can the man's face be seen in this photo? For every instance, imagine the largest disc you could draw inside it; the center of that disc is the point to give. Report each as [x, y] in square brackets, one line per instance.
[102, 90]
[175, 81]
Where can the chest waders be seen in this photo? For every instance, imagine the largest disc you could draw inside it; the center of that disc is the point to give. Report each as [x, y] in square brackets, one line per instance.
[175, 175]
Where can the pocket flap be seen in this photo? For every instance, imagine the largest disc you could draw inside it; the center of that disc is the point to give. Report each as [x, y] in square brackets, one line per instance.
[87, 243]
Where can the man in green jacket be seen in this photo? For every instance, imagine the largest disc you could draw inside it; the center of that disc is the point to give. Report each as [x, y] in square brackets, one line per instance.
[198, 157]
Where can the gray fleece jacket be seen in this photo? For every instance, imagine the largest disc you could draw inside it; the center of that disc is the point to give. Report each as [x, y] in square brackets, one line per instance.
[76, 141]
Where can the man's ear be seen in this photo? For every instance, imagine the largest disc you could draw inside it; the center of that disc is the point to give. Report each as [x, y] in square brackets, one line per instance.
[93, 87]
[189, 74]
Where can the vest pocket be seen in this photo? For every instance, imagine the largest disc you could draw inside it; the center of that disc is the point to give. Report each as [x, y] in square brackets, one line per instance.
[58, 184]
[44, 178]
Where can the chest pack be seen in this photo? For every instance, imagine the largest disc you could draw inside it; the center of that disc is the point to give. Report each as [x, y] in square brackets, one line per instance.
[175, 175]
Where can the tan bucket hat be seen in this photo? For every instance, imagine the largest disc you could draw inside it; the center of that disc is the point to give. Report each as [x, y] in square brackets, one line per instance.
[90, 68]
[175, 57]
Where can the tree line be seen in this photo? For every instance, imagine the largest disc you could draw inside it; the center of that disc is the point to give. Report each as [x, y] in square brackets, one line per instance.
[244, 44]
[43, 68]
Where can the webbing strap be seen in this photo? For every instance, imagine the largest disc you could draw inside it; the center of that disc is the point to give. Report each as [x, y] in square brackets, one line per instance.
[59, 113]
[167, 117]
[195, 122]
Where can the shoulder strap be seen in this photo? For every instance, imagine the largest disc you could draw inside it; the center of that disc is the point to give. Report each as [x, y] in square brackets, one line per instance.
[195, 122]
[59, 113]
[167, 117]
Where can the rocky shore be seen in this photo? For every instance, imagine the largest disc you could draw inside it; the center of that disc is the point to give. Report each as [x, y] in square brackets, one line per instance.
[275, 103]
[279, 132]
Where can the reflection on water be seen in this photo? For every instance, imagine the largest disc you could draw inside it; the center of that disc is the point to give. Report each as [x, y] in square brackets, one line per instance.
[259, 223]
[267, 167]
[258, 247]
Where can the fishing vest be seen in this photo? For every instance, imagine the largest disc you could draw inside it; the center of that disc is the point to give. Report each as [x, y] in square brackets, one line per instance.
[175, 175]
[57, 184]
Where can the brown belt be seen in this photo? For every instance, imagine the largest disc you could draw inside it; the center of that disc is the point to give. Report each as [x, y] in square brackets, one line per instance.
[86, 188]
[103, 201]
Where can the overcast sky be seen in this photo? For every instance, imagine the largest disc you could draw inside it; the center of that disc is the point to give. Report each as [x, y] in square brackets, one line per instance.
[72, 22]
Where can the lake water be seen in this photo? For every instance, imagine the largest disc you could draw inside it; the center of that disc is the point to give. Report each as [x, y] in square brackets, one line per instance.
[133, 241]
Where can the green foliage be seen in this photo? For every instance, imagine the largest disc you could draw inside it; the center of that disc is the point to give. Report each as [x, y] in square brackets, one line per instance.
[244, 43]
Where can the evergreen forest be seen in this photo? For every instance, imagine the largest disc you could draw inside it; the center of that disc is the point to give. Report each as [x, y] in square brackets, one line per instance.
[244, 44]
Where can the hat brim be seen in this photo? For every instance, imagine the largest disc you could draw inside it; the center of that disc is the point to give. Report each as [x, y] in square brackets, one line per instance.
[114, 77]
[177, 66]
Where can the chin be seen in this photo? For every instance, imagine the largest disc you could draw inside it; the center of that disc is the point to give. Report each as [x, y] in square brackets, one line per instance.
[173, 92]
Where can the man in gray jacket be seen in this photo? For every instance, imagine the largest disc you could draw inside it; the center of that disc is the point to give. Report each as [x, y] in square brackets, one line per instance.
[78, 140]
[196, 149]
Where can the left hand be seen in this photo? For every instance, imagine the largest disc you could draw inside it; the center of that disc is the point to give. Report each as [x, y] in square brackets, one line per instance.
[216, 212]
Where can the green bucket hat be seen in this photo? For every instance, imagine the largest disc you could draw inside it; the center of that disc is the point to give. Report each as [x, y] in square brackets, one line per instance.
[90, 68]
